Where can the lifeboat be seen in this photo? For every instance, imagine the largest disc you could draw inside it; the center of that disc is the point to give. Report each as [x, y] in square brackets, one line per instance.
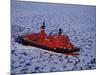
[58, 43]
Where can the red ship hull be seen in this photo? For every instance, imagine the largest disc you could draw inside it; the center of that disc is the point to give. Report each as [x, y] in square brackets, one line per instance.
[54, 43]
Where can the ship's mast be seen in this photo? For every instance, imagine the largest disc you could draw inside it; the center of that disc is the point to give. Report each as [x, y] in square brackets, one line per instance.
[60, 31]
